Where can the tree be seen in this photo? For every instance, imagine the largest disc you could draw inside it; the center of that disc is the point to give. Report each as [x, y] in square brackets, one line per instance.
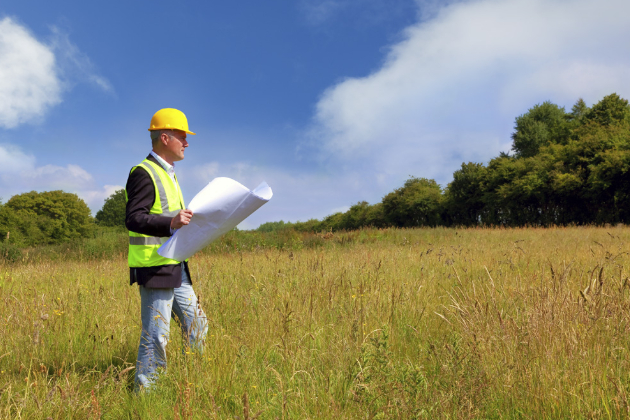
[417, 203]
[543, 124]
[362, 215]
[273, 226]
[44, 218]
[375, 216]
[610, 110]
[332, 222]
[464, 195]
[113, 211]
[579, 110]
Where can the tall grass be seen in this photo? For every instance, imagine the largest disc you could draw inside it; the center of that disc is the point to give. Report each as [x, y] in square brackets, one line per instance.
[423, 323]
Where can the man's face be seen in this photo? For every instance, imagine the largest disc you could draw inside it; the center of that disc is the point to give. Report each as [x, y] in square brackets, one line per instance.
[175, 143]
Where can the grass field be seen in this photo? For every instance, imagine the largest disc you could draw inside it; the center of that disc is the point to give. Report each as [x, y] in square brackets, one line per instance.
[423, 323]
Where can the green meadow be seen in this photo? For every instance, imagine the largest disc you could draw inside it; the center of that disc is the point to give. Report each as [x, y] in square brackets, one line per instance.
[372, 324]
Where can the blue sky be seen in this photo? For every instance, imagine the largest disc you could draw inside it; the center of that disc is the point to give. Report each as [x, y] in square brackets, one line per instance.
[329, 101]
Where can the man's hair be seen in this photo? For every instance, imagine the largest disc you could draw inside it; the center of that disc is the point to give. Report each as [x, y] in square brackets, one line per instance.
[156, 134]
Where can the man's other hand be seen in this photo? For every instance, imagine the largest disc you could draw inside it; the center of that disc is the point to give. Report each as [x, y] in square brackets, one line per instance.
[182, 218]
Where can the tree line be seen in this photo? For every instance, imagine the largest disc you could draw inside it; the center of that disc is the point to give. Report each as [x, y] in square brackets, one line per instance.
[564, 168]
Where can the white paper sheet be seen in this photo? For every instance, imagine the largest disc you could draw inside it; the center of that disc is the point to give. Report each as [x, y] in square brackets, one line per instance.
[217, 209]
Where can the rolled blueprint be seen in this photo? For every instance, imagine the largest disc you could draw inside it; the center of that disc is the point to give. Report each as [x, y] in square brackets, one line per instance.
[217, 209]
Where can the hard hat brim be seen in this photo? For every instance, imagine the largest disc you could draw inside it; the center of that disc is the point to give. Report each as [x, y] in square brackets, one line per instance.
[171, 128]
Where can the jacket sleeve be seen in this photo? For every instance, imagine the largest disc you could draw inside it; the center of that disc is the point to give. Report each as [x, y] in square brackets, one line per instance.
[140, 199]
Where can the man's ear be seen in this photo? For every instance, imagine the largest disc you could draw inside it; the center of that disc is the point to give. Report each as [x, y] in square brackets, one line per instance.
[164, 138]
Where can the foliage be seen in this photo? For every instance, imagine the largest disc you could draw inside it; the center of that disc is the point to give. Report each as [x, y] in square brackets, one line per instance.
[609, 111]
[273, 226]
[113, 211]
[464, 199]
[542, 125]
[363, 214]
[417, 203]
[9, 253]
[44, 218]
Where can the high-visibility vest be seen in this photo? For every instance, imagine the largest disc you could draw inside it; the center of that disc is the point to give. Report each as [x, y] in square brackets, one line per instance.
[168, 202]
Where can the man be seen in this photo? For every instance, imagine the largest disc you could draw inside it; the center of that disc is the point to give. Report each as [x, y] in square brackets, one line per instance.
[155, 210]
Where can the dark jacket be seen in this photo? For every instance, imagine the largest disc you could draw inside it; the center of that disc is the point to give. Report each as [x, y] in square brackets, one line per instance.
[140, 199]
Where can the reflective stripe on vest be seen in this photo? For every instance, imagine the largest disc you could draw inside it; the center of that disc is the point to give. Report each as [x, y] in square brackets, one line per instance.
[143, 248]
[146, 240]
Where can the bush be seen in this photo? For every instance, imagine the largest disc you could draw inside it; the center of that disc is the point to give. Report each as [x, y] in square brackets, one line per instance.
[273, 226]
[9, 253]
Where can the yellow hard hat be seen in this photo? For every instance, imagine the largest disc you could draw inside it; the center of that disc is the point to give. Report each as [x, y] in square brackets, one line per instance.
[169, 119]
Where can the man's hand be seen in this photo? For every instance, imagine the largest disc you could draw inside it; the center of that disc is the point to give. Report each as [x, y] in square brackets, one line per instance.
[182, 218]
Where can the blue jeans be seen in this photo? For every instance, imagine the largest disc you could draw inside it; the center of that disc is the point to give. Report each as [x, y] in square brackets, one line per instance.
[157, 305]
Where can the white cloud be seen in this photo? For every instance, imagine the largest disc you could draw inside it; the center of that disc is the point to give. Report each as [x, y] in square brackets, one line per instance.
[29, 83]
[449, 92]
[34, 74]
[69, 178]
[13, 160]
